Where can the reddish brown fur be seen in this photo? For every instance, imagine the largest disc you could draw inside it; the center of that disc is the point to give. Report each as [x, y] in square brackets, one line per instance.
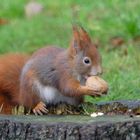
[29, 100]
[10, 70]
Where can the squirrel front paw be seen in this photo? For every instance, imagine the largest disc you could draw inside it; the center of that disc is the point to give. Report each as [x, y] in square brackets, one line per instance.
[94, 92]
[90, 91]
[40, 109]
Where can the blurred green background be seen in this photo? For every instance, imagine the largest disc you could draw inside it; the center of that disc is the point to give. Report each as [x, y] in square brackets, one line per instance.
[113, 24]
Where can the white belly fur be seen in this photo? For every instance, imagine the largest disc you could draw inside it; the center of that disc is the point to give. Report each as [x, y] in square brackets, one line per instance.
[51, 95]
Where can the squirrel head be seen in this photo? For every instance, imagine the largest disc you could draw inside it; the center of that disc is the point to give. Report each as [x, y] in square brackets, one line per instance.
[85, 57]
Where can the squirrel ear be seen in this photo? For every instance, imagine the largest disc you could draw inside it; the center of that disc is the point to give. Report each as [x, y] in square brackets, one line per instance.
[84, 35]
[80, 39]
[76, 38]
[76, 34]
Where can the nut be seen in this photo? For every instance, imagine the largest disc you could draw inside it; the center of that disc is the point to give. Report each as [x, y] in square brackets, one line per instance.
[96, 82]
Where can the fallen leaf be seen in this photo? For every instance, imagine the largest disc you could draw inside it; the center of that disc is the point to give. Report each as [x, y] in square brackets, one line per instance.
[117, 41]
[32, 9]
[3, 21]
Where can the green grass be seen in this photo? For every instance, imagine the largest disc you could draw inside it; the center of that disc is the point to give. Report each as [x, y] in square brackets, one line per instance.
[102, 19]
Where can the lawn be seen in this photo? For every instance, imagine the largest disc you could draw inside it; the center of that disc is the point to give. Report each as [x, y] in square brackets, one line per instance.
[103, 20]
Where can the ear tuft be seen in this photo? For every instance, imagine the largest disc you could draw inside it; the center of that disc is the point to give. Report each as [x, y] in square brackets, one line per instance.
[80, 39]
[76, 37]
[76, 33]
[84, 35]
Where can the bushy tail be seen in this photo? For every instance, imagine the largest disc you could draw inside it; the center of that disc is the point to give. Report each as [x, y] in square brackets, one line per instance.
[10, 69]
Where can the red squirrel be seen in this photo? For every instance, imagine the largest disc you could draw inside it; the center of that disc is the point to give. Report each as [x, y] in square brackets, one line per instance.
[52, 75]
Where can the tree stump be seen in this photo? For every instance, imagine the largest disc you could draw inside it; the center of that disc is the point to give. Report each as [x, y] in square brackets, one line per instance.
[69, 128]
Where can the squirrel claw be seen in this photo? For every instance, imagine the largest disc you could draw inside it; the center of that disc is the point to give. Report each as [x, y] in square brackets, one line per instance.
[40, 108]
[97, 94]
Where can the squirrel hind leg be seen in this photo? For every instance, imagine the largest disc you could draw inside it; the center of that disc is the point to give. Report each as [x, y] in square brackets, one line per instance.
[6, 109]
[40, 109]
[5, 106]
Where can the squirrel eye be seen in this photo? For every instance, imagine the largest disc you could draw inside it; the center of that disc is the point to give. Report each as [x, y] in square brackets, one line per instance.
[86, 60]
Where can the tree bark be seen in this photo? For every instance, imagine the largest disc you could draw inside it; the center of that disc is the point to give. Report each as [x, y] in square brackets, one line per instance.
[69, 128]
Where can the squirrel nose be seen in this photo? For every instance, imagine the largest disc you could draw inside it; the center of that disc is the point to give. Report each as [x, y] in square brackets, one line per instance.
[96, 71]
[100, 72]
